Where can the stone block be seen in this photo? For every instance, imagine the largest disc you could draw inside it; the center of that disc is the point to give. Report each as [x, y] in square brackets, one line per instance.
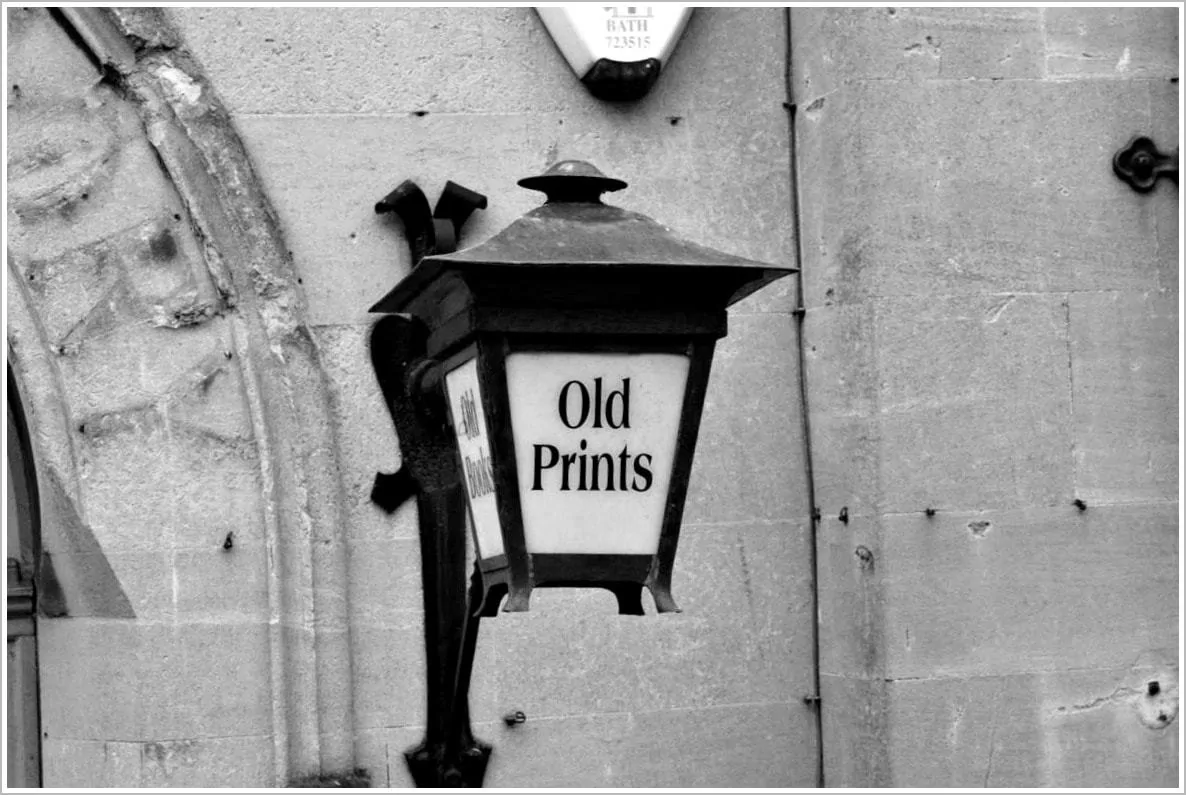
[388, 670]
[744, 635]
[84, 171]
[940, 402]
[385, 578]
[147, 489]
[933, 203]
[986, 42]
[41, 59]
[842, 400]
[749, 454]
[366, 438]
[72, 764]
[856, 732]
[1125, 368]
[225, 586]
[729, 62]
[974, 402]
[981, 594]
[145, 576]
[481, 60]
[734, 746]
[833, 47]
[1165, 100]
[311, 168]
[237, 762]
[852, 599]
[381, 753]
[1112, 42]
[1088, 728]
[139, 681]
[120, 366]
[740, 170]
[322, 60]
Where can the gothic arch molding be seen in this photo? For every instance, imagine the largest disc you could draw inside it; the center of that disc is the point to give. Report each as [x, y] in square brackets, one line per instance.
[167, 338]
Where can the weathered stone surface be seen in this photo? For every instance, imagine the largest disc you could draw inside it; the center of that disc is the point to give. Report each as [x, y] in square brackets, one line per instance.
[1165, 100]
[73, 763]
[82, 171]
[315, 183]
[836, 46]
[856, 729]
[852, 603]
[749, 455]
[974, 400]
[220, 585]
[40, 63]
[1094, 728]
[630, 749]
[974, 594]
[940, 402]
[149, 681]
[965, 208]
[1111, 42]
[1126, 401]
[365, 433]
[739, 639]
[995, 43]
[321, 60]
[147, 489]
[208, 762]
[347, 256]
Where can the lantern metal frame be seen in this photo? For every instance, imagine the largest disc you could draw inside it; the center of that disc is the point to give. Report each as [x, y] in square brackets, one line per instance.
[575, 276]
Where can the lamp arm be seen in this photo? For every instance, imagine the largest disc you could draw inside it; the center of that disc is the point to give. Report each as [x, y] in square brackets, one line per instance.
[449, 756]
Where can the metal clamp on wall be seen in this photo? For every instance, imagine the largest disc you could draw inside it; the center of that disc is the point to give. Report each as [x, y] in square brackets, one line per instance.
[1140, 163]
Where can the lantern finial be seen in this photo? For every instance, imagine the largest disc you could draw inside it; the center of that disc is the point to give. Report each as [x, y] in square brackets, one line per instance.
[573, 181]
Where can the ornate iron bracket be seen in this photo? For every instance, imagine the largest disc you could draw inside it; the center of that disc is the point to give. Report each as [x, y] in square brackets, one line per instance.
[449, 756]
[1140, 163]
[436, 232]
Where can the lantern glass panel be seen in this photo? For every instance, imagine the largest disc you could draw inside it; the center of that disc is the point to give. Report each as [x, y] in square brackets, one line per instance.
[473, 446]
[595, 437]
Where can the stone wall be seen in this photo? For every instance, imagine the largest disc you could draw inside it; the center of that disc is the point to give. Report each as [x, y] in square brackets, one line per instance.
[991, 383]
[991, 337]
[197, 371]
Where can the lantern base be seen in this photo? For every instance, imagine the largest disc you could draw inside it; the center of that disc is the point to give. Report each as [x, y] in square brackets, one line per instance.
[433, 766]
[622, 575]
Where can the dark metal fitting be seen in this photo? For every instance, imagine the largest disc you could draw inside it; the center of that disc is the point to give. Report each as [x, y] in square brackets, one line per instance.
[1140, 163]
[513, 718]
[411, 205]
[1080, 504]
[843, 517]
[431, 232]
[454, 207]
[424, 387]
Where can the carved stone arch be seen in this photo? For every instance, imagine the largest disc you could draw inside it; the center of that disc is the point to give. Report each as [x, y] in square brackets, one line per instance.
[176, 398]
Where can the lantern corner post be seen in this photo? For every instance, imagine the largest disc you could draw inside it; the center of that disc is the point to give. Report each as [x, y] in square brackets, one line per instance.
[449, 755]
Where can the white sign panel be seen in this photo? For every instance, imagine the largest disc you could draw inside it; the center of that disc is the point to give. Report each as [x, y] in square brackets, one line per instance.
[587, 32]
[473, 443]
[595, 441]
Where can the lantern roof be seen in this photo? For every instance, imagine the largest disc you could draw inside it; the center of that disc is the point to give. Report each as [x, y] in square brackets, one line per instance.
[575, 230]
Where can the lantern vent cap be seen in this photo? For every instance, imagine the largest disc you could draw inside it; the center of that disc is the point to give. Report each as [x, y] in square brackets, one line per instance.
[573, 181]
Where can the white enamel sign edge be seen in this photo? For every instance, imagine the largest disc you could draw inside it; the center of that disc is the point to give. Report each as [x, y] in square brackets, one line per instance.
[473, 446]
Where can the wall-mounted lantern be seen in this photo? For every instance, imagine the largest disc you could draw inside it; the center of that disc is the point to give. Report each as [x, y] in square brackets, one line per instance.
[616, 51]
[550, 382]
